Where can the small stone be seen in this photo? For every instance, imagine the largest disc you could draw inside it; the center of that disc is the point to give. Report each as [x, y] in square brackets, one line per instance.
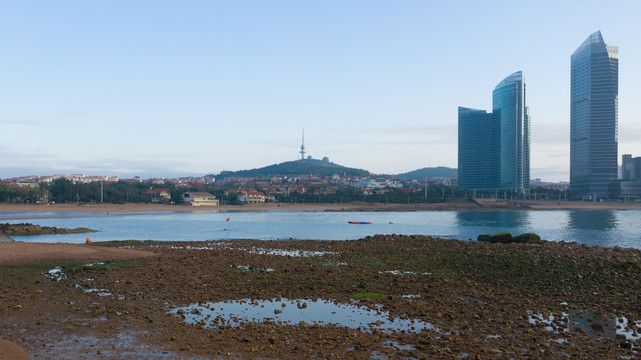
[597, 327]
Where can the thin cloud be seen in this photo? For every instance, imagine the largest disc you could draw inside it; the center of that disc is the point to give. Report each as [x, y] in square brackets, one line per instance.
[12, 165]
[550, 133]
[408, 135]
[412, 130]
[18, 122]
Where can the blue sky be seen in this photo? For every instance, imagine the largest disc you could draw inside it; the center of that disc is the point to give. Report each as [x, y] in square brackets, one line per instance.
[167, 88]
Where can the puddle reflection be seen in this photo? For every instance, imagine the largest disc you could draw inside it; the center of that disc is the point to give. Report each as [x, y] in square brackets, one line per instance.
[293, 312]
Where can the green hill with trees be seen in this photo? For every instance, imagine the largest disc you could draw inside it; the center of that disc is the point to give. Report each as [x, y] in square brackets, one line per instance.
[298, 167]
[430, 172]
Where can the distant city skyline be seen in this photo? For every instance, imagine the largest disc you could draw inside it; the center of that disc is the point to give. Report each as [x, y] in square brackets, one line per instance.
[160, 89]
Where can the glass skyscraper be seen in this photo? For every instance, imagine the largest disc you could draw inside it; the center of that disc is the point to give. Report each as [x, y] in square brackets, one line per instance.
[594, 95]
[508, 101]
[479, 152]
[494, 148]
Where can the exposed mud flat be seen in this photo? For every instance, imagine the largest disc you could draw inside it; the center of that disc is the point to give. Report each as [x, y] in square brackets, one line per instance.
[421, 298]
[21, 253]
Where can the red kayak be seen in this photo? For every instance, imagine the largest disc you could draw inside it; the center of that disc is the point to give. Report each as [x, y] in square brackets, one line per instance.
[359, 222]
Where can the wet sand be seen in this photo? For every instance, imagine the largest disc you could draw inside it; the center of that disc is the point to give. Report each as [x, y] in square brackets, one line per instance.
[456, 206]
[248, 208]
[11, 351]
[479, 297]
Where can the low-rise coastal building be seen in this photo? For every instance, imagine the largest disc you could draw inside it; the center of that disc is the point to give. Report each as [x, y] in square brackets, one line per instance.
[324, 191]
[251, 197]
[450, 181]
[380, 183]
[200, 199]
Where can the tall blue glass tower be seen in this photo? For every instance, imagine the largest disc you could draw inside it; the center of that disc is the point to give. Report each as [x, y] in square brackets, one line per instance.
[494, 148]
[594, 96]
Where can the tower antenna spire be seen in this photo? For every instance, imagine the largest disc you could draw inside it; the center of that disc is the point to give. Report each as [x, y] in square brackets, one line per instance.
[302, 147]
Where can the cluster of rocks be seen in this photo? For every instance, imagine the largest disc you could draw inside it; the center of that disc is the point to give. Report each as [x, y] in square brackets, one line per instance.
[506, 237]
[31, 229]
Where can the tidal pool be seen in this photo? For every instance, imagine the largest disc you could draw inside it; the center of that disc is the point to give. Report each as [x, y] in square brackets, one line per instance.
[56, 274]
[252, 250]
[588, 323]
[404, 273]
[292, 312]
[291, 253]
[251, 268]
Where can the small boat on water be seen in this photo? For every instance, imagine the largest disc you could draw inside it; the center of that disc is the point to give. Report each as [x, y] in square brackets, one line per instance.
[359, 222]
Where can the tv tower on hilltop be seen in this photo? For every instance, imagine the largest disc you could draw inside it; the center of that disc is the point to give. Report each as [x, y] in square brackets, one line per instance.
[302, 147]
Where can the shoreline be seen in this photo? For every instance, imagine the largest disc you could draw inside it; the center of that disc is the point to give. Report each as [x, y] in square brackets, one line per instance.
[479, 205]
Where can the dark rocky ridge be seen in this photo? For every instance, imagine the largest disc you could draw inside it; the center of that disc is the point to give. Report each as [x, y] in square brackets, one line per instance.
[31, 229]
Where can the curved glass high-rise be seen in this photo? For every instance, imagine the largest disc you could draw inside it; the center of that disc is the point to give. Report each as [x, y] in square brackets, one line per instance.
[508, 102]
[594, 96]
[494, 148]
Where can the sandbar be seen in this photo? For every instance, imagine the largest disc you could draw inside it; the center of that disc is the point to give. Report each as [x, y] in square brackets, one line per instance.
[20, 253]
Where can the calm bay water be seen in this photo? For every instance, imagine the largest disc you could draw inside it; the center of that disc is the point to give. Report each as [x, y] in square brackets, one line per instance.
[591, 227]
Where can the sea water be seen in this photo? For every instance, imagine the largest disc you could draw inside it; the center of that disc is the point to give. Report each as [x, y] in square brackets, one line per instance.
[590, 227]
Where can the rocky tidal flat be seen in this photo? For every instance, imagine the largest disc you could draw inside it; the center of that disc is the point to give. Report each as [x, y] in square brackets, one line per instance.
[387, 296]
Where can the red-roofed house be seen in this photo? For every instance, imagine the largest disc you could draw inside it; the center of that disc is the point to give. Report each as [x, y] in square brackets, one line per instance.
[295, 188]
[157, 195]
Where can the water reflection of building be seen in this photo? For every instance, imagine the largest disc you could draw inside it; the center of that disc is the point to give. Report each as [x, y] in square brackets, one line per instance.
[495, 219]
[592, 219]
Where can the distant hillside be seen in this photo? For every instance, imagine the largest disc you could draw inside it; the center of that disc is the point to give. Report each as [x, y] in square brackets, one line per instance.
[431, 172]
[298, 167]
